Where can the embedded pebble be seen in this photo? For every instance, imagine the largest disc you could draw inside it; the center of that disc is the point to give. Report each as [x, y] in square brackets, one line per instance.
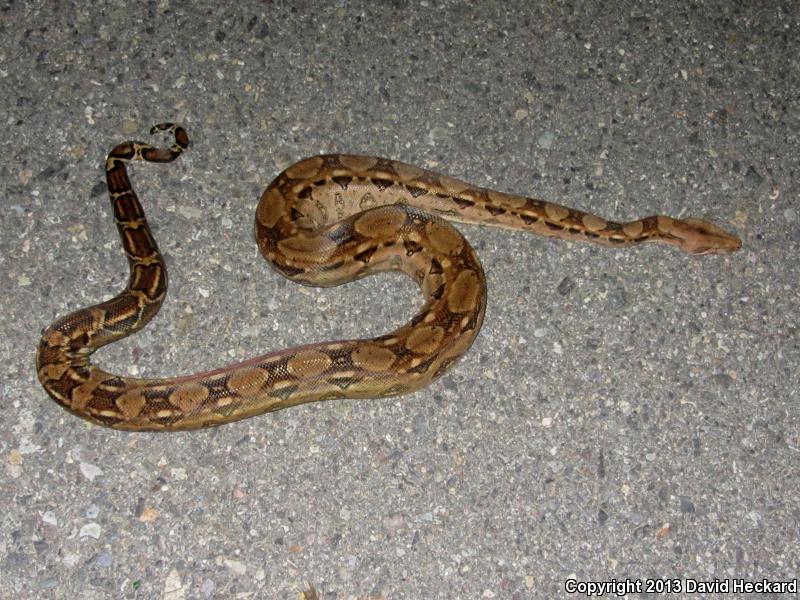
[173, 587]
[545, 140]
[190, 212]
[48, 583]
[179, 474]
[70, 559]
[104, 559]
[14, 457]
[17, 559]
[566, 286]
[420, 425]
[394, 521]
[753, 178]
[90, 471]
[91, 530]
[207, 588]
[617, 298]
[238, 567]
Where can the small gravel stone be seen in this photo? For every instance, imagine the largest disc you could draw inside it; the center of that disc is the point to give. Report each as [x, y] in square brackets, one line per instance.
[90, 471]
[207, 588]
[753, 178]
[92, 530]
[566, 286]
[104, 559]
[48, 583]
[545, 141]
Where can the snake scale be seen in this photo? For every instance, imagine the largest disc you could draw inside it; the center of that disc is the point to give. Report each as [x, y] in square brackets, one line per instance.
[323, 221]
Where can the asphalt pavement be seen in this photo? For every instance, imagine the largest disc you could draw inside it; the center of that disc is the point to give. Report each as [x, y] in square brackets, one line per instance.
[626, 417]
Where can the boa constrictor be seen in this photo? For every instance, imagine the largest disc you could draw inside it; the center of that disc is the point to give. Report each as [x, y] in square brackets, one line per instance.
[323, 221]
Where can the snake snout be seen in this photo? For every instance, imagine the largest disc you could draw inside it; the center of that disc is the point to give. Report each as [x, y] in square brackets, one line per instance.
[699, 237]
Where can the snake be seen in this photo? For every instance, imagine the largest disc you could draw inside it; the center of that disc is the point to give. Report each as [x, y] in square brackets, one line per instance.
[323, 221]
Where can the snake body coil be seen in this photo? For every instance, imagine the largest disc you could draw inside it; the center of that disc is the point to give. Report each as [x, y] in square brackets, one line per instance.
[323, 221]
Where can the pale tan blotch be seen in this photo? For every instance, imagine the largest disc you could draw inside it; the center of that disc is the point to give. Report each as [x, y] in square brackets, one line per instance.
[407, 172]
[98, 321]
[593, 223]
[323, 211]
[372, 358]
[664, 224]
[56, 339]
[134, 224]
[83, 393]
[453, 186]
[431, 283]
[414, 236]
[444, 205]
[146, 260]
[556, 212]
[146, 281]
[367, 201]
[308, 363]
[130, 404]
[444, 238]
[307, 248]
[271, 208]
[380, 223]
[383, 175]
[54, 370]
[305, 169]
[425, 339]
[634, 229]
[139, 298]
[282, 384]
[460, 344]
[188, 397]
[113, 414]
[357, 163]
[463, 294]
[501, 199]
[247, 381]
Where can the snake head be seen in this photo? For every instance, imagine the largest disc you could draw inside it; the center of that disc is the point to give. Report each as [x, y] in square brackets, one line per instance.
[696, 236]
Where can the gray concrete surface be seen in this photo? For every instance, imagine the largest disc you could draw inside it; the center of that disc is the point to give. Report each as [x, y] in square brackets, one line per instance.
[623, 414]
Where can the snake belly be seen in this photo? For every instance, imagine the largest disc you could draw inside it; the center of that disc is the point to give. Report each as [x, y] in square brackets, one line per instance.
[323, 221]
